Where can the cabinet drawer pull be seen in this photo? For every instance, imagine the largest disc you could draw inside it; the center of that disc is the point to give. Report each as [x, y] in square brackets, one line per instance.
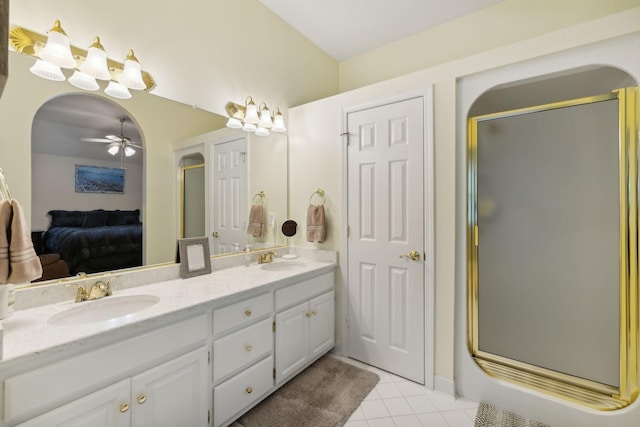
[248, 312]
[248, 347]
[315, 313]
[124, 407]
[142, 398]
[249, 390]
[309, 314]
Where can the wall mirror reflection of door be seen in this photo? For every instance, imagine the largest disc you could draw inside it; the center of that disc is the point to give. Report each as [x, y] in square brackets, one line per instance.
[552, 233]
[192, 196]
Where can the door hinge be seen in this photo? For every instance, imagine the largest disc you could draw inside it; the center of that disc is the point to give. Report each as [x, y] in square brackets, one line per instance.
[208, 417]
[347, 320]
[274, 326]
[348, 230]
[347, 135]
[274, 372]
[209, 357]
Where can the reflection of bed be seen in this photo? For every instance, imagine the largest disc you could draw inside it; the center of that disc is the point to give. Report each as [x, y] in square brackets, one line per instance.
[94, 241]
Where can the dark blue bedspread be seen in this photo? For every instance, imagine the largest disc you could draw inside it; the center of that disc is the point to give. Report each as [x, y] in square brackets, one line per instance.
[96, 249]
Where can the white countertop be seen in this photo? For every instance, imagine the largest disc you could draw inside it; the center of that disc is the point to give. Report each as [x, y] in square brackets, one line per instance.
[28, 333]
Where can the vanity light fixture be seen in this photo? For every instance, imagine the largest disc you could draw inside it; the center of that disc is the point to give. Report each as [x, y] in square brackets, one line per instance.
[54, 51]
[250, 118]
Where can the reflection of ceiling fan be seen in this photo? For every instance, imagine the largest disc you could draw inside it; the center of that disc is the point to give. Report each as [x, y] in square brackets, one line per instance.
[118, 143]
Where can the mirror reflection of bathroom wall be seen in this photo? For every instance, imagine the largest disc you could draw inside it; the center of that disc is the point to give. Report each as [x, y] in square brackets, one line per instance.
[192, 190]
[548, 211]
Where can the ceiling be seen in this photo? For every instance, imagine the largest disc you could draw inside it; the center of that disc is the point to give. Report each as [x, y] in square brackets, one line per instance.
[345, 28]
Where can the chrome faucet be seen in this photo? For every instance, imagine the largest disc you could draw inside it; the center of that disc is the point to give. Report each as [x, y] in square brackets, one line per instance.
[266, 257]
[99, 290]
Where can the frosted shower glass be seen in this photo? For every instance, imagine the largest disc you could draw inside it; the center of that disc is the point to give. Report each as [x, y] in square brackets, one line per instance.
[548, 254]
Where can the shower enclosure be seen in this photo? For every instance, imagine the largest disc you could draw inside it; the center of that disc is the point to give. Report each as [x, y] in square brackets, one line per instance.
[552, 247]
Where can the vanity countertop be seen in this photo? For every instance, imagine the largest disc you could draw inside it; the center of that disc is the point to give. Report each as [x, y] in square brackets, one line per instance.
[27, 333]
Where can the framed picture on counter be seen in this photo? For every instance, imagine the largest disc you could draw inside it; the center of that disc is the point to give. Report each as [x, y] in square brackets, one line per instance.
[194, 257]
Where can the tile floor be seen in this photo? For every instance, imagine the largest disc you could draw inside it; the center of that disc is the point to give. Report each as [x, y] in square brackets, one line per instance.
[397, 402]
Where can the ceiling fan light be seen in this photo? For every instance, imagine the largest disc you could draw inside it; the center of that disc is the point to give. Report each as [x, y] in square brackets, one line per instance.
[96, 63]
[113, 148]
[57, 51]
[129, 151]
[234, 123]
[117, 90]
[47, 71]
[278, 123]
[260, 131]
[132, 73]
[83, 81]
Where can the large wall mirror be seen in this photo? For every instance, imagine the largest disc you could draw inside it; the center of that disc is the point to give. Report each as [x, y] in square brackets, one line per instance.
[156, 124]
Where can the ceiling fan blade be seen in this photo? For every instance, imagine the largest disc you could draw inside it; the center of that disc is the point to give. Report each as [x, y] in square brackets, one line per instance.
[114, 138]
[136, 145]
[96, 140]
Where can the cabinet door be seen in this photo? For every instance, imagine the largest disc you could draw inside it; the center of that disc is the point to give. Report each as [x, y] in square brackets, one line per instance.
[173, 394]
[321, 324]
[292, 340]
[108, 407]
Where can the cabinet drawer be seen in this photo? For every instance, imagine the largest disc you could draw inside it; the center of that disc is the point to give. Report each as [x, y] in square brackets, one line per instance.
[242, 390]
[302, 291]
[242, 348]
[241, 313]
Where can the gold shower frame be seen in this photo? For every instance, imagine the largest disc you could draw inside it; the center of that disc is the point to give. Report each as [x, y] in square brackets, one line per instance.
[578, 390]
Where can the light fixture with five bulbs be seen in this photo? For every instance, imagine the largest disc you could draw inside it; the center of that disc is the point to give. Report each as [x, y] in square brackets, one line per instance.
[255, 119]
[54, 52]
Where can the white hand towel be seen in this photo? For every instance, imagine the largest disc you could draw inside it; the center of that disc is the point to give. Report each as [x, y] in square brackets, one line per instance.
[24, 264]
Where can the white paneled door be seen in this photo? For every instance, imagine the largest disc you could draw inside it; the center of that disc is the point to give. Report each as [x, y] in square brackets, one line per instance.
[229, 195]
[386, 237]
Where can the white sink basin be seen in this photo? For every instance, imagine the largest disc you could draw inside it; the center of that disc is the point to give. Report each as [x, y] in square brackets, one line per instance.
[283, 266]
[108, 308]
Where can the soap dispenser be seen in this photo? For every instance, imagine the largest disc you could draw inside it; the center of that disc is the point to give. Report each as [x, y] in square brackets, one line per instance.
[247, 255]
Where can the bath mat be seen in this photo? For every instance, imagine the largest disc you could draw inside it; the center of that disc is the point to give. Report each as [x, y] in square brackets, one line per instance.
[323, 395]
[492, 416]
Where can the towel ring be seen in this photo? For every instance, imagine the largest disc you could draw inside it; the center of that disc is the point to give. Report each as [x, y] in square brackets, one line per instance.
[260, 195]
[320, 193]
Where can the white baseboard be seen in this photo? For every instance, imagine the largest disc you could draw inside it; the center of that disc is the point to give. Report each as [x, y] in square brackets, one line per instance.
[445, 386]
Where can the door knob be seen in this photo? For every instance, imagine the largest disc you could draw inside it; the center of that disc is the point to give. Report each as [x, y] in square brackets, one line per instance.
[215, 234]
[413, 255]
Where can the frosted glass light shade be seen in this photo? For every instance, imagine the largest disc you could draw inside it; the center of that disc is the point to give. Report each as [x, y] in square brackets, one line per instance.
[117, 90]
[260, 131]
[278, 123]
[113, 149]
[265, 119]
[129, 151]
[132, 73]
[249, 127]
[47, 71]
[57, 51]
[96, 63]
[83, 81]
[251, 115]
[234, 123]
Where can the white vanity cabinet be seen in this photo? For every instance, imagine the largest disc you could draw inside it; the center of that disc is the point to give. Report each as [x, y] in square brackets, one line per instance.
[159, 378]
[242, 355]
[171, 394]
[304, 331]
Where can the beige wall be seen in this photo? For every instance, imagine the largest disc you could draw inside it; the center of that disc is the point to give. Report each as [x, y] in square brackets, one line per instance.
[503, 24]
[201, 52]
[161, 122]
[316, 150]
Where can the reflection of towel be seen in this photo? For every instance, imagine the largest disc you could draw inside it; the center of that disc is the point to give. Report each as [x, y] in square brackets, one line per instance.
[18, 260]
[316, 224]
[256, 221]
